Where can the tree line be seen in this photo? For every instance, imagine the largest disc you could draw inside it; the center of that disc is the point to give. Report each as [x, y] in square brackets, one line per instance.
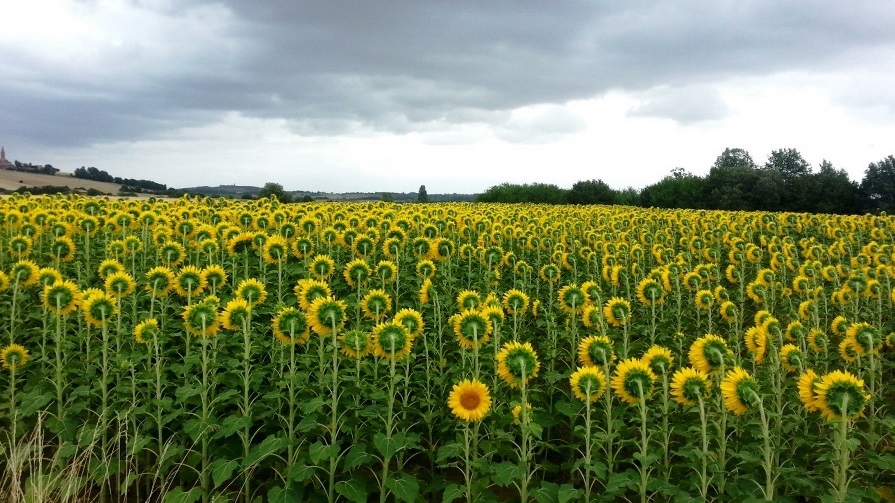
[130, 184]
[785, 182]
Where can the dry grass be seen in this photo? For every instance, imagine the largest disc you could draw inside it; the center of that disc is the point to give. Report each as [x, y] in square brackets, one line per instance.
[12, 180]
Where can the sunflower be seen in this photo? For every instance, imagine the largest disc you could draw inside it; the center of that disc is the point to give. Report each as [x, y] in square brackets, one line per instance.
[391, 340]
[214, 276]
[189, 282]
[550, 273]
[47, 276]
[201, 319]
[236, 315]
[515, 302]
[425, 269]
[791, 357]
[61, 298]
[596, 351]
[729, 311]
[517, 410]
[704, 299]
[20, 246]
[840, 393]
[275, 249]
[64, 248]
[650, 292]
[469, 400]
[356, 272]
[633, 380]
[592, 316]
[733, 274]
[326, 314]
[739, 390]
[839, 325]
[806, 390]
[617, 311]
[119, 284]
[252, 291]
[302, 247]
[588, 383]
[146, 331]
[322, 267]
[756, 342]
[240, 243]
[688, 384]
[472, 329]
[795, 331]
[425, 288]
[386, 271]
[14, 356]
[4, 281]
[411, 319]
[376, 304]
[290, 326]
[97, 307]
[848, 350]
[309, 290]
[493, 313]
[24, 273]
[160, 280]
[517, 363]
[756, 292]
[709, 353]
[765, 277]
[468, 299]
[817, 340]
[659, 359]
[866, 337]
[172, 253]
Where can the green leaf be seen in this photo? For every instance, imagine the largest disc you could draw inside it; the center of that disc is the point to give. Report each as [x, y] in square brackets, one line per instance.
[184, 392]
[222, 470]
[452, 492]
[404, 486]
[505, 473]
[353, 490]
[319, 452]
[356, 456]
[567, 409]
[312, 405]
[449, 451]
[33, 402]
[177, 495]
[388, 446]
[231, 425]
[284, 495]
[302, 472]
[270, 446]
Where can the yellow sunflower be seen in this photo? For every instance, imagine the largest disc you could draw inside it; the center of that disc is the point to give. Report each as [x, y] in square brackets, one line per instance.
[290, 326]
[252, 291]
[469, 400]
[617, 311]
[739, 390]
[791, 358]
[472, 329]
[14, 356]
[517, 363]
[596, 351]
[515, 302]
[376, 304]
[840, 393]
[98, 307]
[326, 314]
[659, 359]
[806, 390]
[61, 298]
[391, 341]
[633, 380]
[709, 353]
[146, 331]
[588, 383]
[688, 384]
[159, 280]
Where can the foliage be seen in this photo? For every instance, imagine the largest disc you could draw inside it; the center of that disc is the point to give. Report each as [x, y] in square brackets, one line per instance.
[275, 191]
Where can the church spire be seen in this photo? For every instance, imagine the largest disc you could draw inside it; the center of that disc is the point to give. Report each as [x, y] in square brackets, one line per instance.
[2, 154]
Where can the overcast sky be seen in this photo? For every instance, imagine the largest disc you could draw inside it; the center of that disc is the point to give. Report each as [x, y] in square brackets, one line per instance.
[457, 95]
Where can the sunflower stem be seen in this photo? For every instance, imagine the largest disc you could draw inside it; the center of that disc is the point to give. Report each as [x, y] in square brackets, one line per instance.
[841, 474]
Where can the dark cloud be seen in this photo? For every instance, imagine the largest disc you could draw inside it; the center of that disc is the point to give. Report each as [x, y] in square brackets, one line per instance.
[332, 67]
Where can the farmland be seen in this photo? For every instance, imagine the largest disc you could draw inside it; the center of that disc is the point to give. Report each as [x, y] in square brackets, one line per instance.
[210, 350]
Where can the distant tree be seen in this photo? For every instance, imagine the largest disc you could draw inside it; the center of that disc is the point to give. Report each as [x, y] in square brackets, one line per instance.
[680, 189]
[734, 158]
[831, 191]
[388, 197]
[789, 162]
[422, 196]
[526, 193]
[878, 186]
[627, 197]
[795, 174]
[275, 190]
[591, 192]
[307, 199]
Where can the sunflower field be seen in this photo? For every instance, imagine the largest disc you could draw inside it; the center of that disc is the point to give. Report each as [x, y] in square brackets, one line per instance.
[213, 350]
